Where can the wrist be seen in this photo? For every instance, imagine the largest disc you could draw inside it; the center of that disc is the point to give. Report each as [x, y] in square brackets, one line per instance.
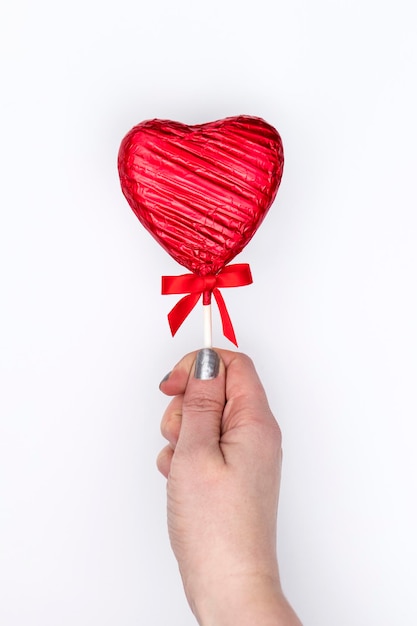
[252, 600]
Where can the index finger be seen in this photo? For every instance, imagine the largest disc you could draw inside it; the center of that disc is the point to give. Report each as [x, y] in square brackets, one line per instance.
[246, 399]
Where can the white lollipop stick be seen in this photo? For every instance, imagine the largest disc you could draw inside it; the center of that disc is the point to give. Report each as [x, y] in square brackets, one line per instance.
[208, 333]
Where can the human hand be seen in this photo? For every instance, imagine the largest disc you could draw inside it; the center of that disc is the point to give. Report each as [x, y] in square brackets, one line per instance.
[223, 465]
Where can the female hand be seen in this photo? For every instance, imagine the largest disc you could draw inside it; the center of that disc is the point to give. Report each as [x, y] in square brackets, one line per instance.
[223, 466]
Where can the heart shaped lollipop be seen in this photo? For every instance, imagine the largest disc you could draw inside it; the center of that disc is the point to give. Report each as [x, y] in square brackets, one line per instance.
[202, 192]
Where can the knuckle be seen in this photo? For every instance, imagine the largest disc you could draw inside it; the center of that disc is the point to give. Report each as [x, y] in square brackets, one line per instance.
[268, 437]
[170, 424]
[246, 359]
[202, 403]
[163, 461]
[274, 434]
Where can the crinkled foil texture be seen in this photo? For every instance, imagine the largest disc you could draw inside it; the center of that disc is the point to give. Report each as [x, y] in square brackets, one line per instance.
[201, 191]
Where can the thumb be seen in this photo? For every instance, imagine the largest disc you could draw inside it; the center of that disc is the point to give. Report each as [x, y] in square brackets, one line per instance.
[203, 404]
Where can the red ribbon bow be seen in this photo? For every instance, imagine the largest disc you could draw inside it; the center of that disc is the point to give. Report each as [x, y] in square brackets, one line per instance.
[230, 276]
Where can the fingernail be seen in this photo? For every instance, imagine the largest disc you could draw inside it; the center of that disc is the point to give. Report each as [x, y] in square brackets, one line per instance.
[165, 378]
[207, 364]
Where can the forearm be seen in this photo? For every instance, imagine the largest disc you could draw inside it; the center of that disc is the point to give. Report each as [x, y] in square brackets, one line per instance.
[261, 603]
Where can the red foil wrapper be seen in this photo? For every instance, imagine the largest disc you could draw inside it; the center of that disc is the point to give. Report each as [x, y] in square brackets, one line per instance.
[201, 191]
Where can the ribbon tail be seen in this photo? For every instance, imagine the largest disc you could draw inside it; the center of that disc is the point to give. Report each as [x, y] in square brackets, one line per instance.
[228, 330]
[181, 310]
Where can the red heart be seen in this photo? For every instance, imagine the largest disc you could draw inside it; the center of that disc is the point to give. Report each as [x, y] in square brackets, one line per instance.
[202, 191]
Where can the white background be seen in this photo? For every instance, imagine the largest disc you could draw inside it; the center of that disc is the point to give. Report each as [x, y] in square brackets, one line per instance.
[330, 320]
